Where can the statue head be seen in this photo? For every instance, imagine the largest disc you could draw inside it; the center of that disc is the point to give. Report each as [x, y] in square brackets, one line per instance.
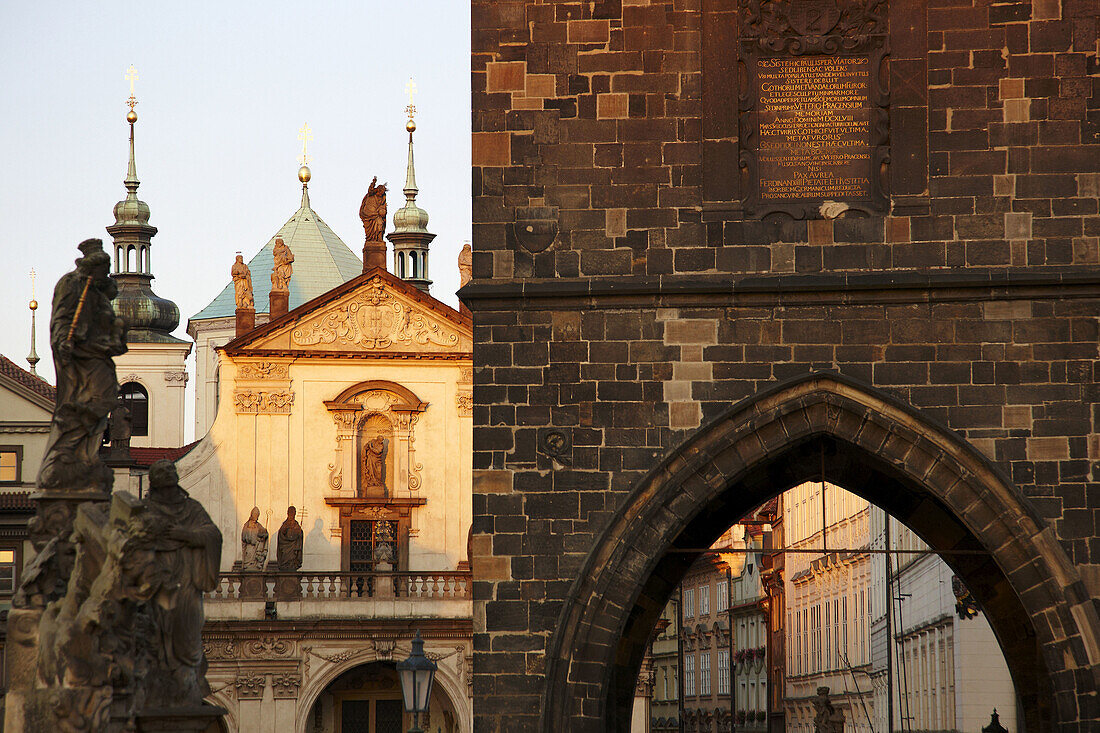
[162, 476]
[291, 512]
[254, 516]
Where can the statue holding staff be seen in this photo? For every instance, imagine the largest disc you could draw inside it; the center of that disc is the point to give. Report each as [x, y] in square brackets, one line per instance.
[85, 334]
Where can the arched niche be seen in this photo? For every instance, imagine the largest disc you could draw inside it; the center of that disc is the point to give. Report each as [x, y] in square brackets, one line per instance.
[916, 469]
[374, 476]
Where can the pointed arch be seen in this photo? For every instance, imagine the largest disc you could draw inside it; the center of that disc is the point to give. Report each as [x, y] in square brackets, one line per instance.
[873, 445]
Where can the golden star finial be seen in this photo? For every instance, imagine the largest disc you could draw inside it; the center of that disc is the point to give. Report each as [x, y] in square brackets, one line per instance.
[410, 88]
[131, 76]
[305, 134]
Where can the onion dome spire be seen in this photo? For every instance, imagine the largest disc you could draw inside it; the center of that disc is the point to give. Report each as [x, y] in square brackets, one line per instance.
[410, 236]
[148, 317]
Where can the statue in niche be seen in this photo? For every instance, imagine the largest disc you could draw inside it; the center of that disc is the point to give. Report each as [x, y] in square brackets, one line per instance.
[373, 211]
[242, 284]
[281, 272]
[85, 334]
[374, 463]
[253, 542]
[288, 553]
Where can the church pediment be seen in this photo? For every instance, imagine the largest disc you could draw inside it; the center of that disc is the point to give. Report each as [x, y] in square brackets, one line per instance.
[376, 313]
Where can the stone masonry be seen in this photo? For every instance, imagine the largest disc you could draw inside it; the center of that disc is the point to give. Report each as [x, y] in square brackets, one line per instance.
[632, 323]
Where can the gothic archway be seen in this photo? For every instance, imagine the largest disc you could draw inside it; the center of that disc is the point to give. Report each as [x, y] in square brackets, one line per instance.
[914, 468]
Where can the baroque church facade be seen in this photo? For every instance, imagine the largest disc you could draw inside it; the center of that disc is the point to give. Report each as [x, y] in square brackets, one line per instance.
[348, 410]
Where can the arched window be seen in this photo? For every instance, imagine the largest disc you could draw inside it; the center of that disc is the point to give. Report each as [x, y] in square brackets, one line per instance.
[412, 260]
[401, 264]
[136, 400]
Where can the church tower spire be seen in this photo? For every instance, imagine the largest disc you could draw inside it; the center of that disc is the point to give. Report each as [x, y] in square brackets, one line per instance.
[148, 317]
[410, 236]
[153, 372]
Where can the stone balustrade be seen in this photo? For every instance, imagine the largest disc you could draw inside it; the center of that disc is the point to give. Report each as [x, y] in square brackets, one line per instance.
[321, 586]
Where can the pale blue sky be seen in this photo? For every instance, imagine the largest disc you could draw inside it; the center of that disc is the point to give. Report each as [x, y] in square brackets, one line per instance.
[223, 89]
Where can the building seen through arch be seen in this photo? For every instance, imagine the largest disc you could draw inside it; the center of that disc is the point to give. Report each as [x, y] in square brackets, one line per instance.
[804, 619]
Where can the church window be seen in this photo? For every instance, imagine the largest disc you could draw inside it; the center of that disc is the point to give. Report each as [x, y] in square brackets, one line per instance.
[412, 260]
[401, 264]
[11, 464]
[136, 400]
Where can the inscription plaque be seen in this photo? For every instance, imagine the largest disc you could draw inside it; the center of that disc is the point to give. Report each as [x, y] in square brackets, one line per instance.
[814, 121]
[814, 128]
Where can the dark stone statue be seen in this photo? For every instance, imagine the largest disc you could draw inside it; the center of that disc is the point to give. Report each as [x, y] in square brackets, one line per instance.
[128, 632]
[827, 719]
[84, 334]
[289, 550]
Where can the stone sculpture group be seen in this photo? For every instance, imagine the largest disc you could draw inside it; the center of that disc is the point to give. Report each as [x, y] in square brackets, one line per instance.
[105, 633]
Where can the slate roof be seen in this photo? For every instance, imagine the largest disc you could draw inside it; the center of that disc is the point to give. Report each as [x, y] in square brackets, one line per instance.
[321, 262]
[31, 381]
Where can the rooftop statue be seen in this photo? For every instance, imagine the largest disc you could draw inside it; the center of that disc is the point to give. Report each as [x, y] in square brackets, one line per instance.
[253, 542]
[465, 264]
[281, 272]
[242, 284]
[373, 211]
[289, 551]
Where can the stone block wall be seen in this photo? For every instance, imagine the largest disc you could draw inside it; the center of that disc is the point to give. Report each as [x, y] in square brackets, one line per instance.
[621, 300]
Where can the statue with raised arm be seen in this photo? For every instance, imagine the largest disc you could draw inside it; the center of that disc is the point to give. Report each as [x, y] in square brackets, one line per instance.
[242, 284]
[373, 211]
[85, 334]
[374, 463]
[281, 272]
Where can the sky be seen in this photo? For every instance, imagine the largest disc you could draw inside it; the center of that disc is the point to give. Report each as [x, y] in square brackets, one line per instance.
[222, 90]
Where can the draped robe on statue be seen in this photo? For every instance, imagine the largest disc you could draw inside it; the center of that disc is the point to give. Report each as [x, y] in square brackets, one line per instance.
[180, 573]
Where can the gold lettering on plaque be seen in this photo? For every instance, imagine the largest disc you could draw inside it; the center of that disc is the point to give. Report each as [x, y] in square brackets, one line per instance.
[814, 116]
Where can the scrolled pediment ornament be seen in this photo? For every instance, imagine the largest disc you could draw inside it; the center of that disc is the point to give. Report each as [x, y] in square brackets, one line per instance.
[374, 319]
[263, 370]
[250, 686]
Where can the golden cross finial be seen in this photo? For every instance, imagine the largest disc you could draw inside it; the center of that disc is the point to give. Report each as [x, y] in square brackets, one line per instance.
[305, 135]
[410, 88]
[131, 76]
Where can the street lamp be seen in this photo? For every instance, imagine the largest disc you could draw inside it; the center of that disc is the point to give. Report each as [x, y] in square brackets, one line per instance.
[416, 673]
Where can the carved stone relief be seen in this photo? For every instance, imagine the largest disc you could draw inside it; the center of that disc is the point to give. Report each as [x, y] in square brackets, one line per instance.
[250, 686]
[263, 402]
[285, 685]
[263, 370]
[375, 319]
[464, 400]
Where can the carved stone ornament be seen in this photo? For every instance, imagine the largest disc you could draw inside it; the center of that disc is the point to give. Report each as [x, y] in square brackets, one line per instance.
[285, 686]
[375, 319]
[263, 370]
[535, 227]
[220, 649]
[250, 686]
[464, 400]
[277, 402]
[269, 647]
[175, 377]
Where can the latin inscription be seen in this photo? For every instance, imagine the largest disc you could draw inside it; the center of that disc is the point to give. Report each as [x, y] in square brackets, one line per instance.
[814, 123]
